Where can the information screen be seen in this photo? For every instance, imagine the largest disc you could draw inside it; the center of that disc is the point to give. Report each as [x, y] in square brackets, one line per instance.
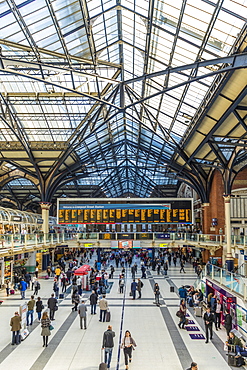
[112, 211]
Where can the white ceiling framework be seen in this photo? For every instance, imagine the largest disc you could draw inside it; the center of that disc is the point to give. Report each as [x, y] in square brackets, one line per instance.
[115, 94]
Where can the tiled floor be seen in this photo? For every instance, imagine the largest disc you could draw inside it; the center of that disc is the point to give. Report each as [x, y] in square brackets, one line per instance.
[160, 343]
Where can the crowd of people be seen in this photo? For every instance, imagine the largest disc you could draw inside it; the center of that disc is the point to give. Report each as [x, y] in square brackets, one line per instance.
[64, 276]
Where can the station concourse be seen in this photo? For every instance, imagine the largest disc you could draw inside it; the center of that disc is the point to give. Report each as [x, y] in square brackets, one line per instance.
[123, 132]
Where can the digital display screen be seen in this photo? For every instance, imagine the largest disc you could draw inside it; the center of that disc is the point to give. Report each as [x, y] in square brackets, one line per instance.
[125, 244]
[163, 212]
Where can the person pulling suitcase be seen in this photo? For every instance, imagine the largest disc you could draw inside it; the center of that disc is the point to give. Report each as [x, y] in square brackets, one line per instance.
[108, 344]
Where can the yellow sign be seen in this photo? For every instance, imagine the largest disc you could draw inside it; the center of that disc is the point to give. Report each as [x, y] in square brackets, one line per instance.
[88, 245]
[164, 245]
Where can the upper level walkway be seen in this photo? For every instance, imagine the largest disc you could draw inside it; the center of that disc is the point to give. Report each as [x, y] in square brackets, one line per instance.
[11, 244]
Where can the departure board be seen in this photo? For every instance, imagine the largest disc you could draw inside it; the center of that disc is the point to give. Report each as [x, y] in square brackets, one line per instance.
[112, 211]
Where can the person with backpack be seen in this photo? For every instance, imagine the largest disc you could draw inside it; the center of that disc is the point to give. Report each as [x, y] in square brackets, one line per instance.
[139, 288]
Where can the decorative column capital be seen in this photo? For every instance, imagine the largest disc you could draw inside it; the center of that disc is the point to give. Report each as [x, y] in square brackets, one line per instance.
[45, 205]
[227, 198]
[205, 205]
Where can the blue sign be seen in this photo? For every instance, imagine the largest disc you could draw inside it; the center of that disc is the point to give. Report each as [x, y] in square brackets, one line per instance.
[245, 257]
[241, 251]
[114, 206]
[197, 336]
[192, 328]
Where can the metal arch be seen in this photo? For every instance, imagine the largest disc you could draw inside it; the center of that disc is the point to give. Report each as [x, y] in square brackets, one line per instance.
[78, 139]
[235, 61]
[21, 136]
[220, 121]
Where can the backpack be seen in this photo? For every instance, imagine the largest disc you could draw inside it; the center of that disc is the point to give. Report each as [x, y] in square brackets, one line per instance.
[141, 284]
[38, 285]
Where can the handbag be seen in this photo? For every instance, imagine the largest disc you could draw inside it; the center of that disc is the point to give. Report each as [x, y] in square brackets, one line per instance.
[179, 314]
[42, 307]
[51, 327]
[130, 294]
[55, 308]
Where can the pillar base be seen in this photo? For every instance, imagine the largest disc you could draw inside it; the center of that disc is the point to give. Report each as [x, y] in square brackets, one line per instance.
[229, 265]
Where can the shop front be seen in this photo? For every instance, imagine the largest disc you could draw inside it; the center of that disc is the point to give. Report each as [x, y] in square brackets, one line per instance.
[227, 300]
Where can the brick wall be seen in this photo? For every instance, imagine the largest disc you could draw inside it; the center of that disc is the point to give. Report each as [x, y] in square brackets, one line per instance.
[216, 207]
[240, 180]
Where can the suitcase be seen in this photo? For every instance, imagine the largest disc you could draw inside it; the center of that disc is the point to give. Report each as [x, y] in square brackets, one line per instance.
[61, 296]
[103, 365]
[172, 289]
[198, 311]
[232, 361]
[12, 291]
[108, 316]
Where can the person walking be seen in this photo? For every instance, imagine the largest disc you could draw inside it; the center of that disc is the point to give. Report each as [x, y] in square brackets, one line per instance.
[108, 344]
[208, 320]
[182, 293]
[157, 294]
[139, 288]
[36, 286]
[133, 272]
[82, 312]
[30, 306]
[228, 322]
[182, 309]
[182, 266]
[143, 270]
[23, 288]
[103, 305]
[193, 366]
[133, 289]
[75, 300]
[127, 344]
[218, 312]
[64, 283]
[39, 307]
[45, 325]
[15, 324]
[52, 305]
[56, 288]
[121, 284]
[93, 302]
[57, 273]
[165, 267]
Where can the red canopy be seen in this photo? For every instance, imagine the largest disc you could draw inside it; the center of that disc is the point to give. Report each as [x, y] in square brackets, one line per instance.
[83, 270]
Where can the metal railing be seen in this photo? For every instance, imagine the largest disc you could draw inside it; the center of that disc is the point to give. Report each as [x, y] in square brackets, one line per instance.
[230, 280]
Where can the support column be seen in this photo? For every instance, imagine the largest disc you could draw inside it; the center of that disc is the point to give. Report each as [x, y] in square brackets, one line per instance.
[45, 207]
[228, 255]
[31, 263]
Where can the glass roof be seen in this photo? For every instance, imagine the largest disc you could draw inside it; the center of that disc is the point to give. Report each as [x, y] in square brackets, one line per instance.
[79, 74]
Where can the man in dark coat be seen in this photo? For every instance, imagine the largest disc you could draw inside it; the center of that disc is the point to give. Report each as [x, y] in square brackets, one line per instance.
[93, 302]
[228, 322]
[208, 320]
[52, 304]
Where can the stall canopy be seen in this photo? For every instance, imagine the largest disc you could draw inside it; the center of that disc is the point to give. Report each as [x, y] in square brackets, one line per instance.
[83, 270]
